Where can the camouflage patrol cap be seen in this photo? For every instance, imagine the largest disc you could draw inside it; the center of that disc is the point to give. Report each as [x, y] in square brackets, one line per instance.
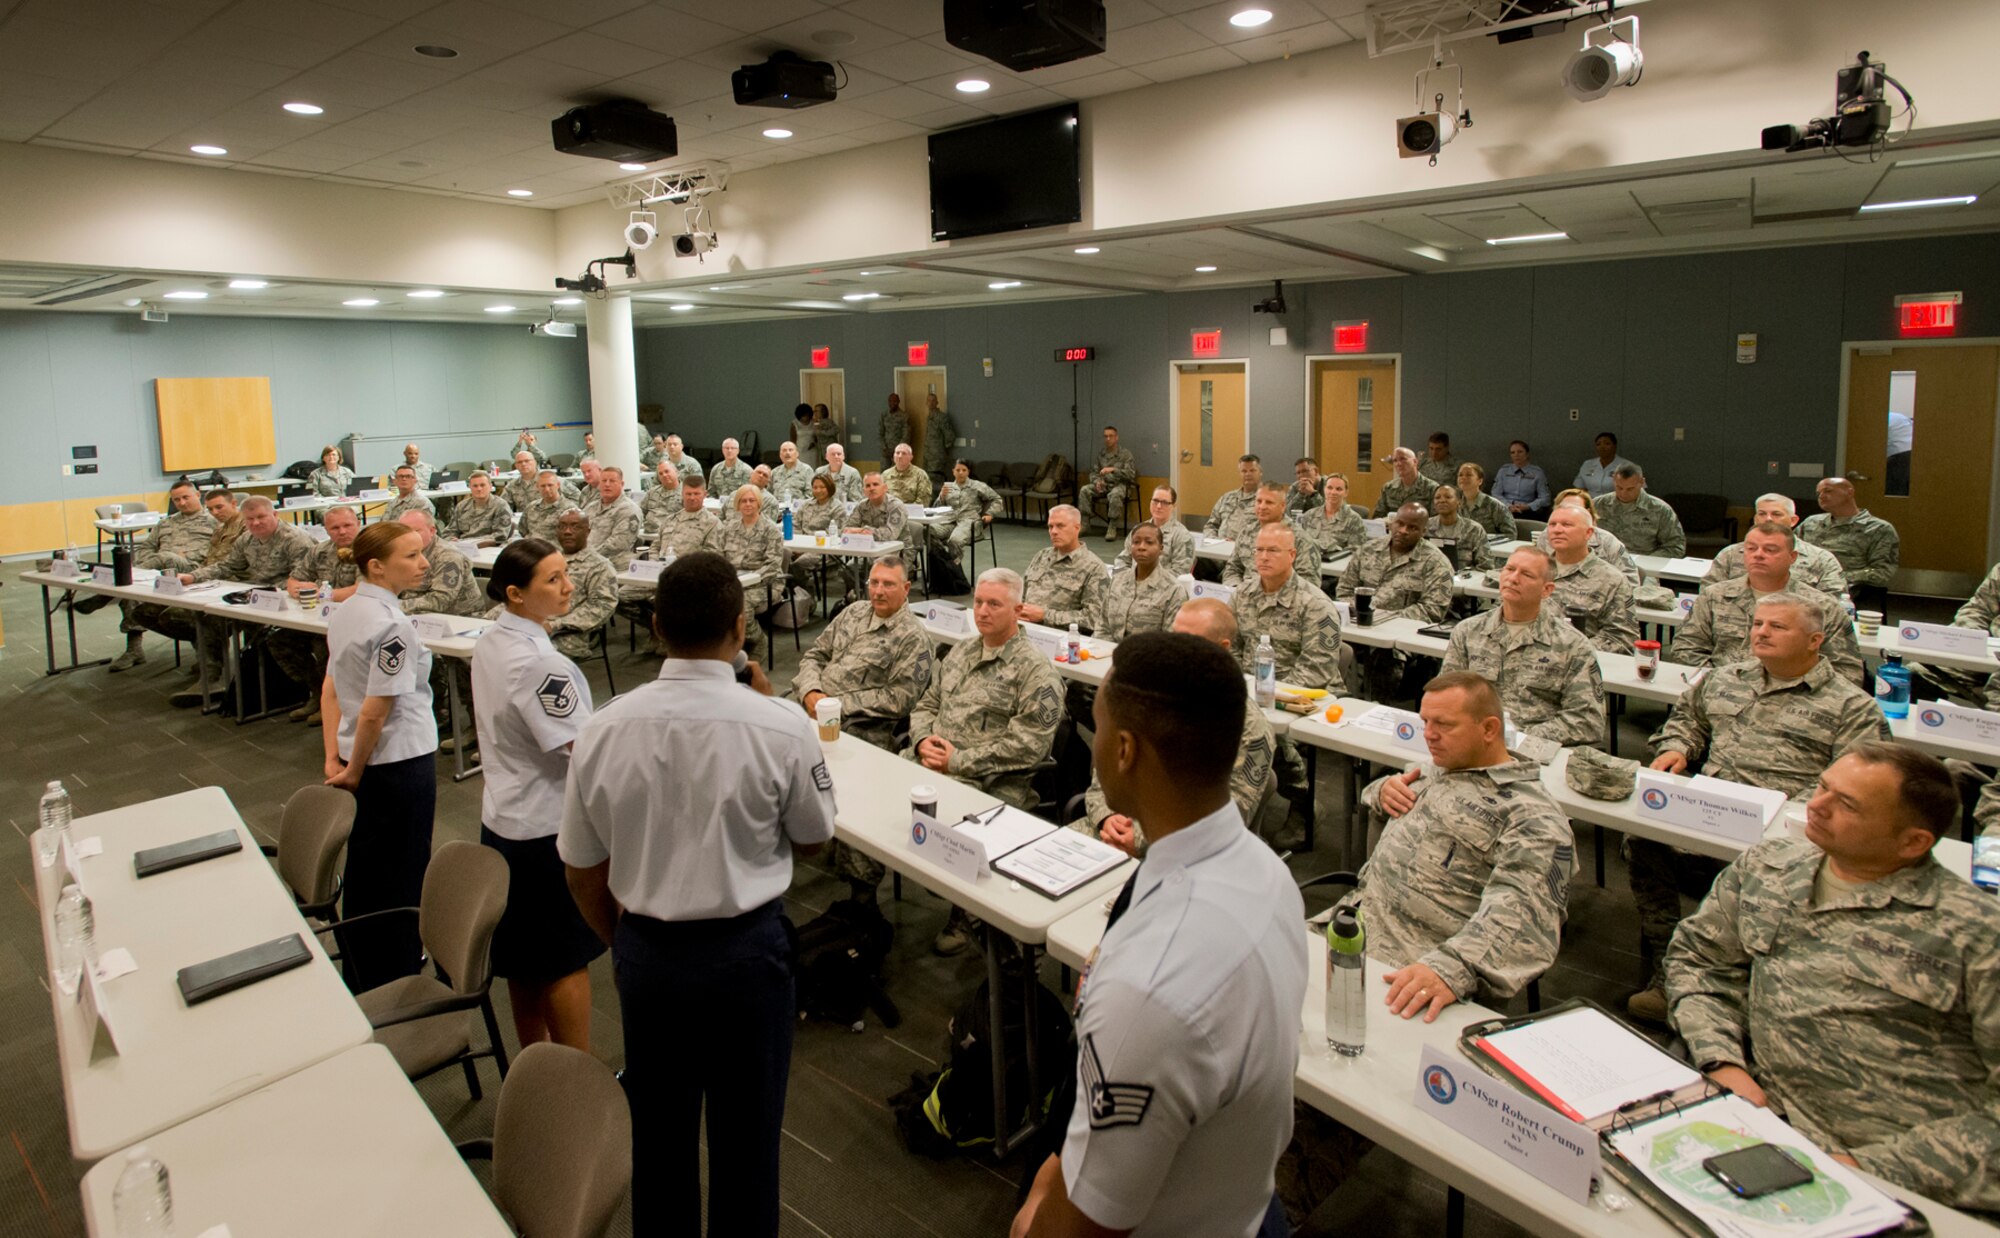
[1599, 775]
[1655, 597]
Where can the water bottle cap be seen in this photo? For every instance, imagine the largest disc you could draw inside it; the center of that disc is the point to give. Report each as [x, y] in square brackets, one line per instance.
[55, 784]
[1346, 923]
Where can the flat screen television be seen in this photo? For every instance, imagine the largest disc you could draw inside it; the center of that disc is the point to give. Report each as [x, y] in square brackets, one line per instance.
[1022, 171]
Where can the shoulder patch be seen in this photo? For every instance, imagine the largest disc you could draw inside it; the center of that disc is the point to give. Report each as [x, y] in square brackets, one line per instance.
[822, 779]
[557, 695]
[1111, 1104]
[389, 655]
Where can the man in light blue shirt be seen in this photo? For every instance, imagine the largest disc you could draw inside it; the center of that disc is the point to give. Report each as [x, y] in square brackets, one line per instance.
[1523, 487]
[1595, 477]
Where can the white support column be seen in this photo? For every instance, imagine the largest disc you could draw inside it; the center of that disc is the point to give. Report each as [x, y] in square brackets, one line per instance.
[614, 384]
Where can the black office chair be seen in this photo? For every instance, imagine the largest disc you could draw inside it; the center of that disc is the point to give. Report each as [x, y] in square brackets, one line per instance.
[600, 639]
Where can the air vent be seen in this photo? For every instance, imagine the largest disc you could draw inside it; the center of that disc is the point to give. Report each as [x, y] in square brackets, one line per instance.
[1688, 210]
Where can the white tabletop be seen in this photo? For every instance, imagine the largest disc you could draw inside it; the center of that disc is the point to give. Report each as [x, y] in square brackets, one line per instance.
[1621, 678]
[1669, 568]
[343, 1147]
[176, 1061]
[872, 790]
[127, 524]
[1909, 731]
[804, 544]
[1887, 641]
[1219, 549]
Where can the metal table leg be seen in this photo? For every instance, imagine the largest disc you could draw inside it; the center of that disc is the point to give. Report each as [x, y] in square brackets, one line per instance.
[66, 602]
[1312, 792]
[453, 705]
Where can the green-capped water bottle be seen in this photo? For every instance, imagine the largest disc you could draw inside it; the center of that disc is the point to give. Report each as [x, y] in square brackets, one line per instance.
[1346, 984]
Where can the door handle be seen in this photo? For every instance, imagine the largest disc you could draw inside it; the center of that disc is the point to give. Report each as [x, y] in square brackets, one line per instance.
[1186, 456]
[1854, 476]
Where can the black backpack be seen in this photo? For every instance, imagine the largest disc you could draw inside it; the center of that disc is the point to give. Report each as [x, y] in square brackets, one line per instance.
[840, 956]
[950, 1110]
[946, 578]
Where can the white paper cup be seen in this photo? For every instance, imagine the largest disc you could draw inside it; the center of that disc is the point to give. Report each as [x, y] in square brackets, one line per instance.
[827, 714]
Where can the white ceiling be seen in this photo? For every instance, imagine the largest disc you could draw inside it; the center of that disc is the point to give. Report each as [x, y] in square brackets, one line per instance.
[153, 77]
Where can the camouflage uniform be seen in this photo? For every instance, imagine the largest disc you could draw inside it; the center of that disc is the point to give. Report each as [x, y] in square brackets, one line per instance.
[1986, 815]
[1395, 494]
[1109, 503]
[1490, 514]
[846, 483]
[325, 485]
[614, 531]
[1717, 631]
[792, 481]
[886, 520]
[323, 565]
[1981, 611]
[180, 548]
[1870, 1017]
[492, 520]
[912, 485]
[687, 466]
[1304, 629]
[1242, 567]
[727, 477]
[538, 519]
[1176, 550]
[895, 428]
[811, 518]
[1417, 585]
[757, 547]
[1298, 502]
[1867, 546]
[939, 437]
[686, 532]
[649, 455]
[999, 708]
[267, 562]
[1814, 568]
[1473, 881]
[968, 503]
[590, 606]
[1545, 671]
[1755, 729]
[1594, 587]
[1249, 781]
[180, 543]
[659, 503]
[522, 444]
[1069, 588]
[1464, 543]
[1606, 546]
[449, 586]
[1646, 525]
[1439, 472]
[523, 491]
[415, 501]
[1226, 510]
[294, 649]
[1333, 536]
[1134, 605]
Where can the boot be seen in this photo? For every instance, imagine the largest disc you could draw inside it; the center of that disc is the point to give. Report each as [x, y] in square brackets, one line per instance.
[135, 653]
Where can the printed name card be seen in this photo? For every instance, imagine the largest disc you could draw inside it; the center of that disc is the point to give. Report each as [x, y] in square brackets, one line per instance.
[1941, 638]
[468, 546]
[454, 487]
[102, 574]
[1052, 643]
[948, 848]
[646, 569]
[952, 620]
[1948, 721]
[1376, 528]
[1684, 602]
[1731, 810]
[1211, 589]
[858, 541]
[433, 627]
[273, 600]
[1533, 1137]
[1405, 728]
[300, 500]
[65, 568]
[168, 584]
[375, 494]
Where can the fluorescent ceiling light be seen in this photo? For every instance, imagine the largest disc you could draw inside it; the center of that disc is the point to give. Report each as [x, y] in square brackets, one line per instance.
[499, 309]
[974, 86]
[715, 287]
[1917, 204]
[361, 303]
[1204, 270]
[1086, 249]
[1429, 251]
[567, 301]
[681, 307]
[304, 109]
[424, 294]
[187, 294]
[633, 167]
[1003, 285]
[520, 193]
[209, 150]
[247, 284]
[1250, 18]
[1527, 238]
[860, 296]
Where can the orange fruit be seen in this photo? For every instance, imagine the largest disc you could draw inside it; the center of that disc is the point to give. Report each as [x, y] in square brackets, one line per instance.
[1333, 713]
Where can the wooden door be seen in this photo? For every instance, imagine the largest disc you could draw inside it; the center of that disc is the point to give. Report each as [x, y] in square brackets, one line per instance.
[1939, 495]
[915, 386]
[1210, 431]
[1354, 423]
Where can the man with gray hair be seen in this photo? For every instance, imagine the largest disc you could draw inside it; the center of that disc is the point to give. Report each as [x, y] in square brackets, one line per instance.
[908, 483]
[1815, 568]
[1065, 583]
[791, 481]
[1406, 487]
[521, 491]
[1645, 524]
[264, 556]
[1545, 671]
[729, 474]
[1717, 631]
[845, 477]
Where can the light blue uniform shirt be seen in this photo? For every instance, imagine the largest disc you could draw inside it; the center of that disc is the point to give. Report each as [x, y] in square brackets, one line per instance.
[373, 650]
[531, 703]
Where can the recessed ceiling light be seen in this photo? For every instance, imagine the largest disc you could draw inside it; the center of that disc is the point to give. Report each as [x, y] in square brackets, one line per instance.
[1917, 204]
[860, 296]
[1004, 284]
[499, 309]
[777, 133]
[831, 38]
[715, 288]
[435, 51]
[424, 294]
[187, 294]
[209, 150]
[1086, 249]
[1527, 238]
[304, 109]
[361, 303]
[633, 167]
[246, 285]
[520, 193]
[1204, 270]
[567, 301]
[411, 163]
[974, 86]
[682, 307]
[1250, 18]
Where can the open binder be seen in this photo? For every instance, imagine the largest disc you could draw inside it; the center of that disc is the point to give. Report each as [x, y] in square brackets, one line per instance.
[1651, 1139]
[1048, 859]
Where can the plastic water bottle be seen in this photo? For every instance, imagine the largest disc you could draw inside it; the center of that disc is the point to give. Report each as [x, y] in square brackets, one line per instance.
[788, 522]
[75, 927]
[143, 1202]
[1986, 862]
[1267, 673]
[1346, 984]
[1075, 645]
[55, 814]
[672, 554]
[1853, 615]
[1892, 688]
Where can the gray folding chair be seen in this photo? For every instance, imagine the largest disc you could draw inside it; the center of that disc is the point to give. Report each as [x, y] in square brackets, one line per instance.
[561, 1146]
[311, 835]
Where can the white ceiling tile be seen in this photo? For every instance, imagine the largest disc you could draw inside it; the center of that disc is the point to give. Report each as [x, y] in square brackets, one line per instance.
[1212, 21]
[577, 13]
[299, 161]
[1291, 42]
[832, 145]
[948, 117]
[1020, 101]
[677, 82]
[111, 127]
[897, 102]
[887, 131]
[912, 60]
[198, 61]
[309, 19]
[666, 30]
[1119, 14]
[1154, 40]
[1214, 60]
[600, 56]
[1055, 75]
[751, 15]
[33, 45]
[907, 17]
[222, 41]
[1109, 82]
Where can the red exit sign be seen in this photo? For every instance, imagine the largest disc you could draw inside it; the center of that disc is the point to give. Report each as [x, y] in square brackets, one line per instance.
[1350, 336]
[1207, 343]
[1928, 313]
[822, 357]
[920, 352]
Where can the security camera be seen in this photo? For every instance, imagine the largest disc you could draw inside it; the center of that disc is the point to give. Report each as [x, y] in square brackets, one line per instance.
[1861, 111]
[583, 283]
[1607, 61]
[644, 226]
[693, 244]
[1422, 136]
[1275, 304]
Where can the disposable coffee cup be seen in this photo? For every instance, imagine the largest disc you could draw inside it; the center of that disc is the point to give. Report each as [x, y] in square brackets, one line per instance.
[308, 597]
[1868, 622]
[923, 799]
[827, 714]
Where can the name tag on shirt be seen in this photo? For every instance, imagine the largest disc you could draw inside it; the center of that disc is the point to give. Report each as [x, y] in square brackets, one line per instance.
[1948, 721]
[946, 847]
[1941, 637]
[1210, 589]
[271, 600]
[1730, 810]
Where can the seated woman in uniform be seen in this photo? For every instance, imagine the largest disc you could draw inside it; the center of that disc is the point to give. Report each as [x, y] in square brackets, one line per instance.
[331, 479]
[753, 544]
[1459, 536]
[823, 514]
[1143, 597]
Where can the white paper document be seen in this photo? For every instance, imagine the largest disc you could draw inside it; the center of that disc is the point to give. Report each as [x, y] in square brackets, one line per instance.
[1060, 861]
[1003, 831]
[1588, 1063]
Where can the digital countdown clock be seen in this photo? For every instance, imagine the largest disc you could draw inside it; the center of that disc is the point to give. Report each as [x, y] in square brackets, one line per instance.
[1076, 354]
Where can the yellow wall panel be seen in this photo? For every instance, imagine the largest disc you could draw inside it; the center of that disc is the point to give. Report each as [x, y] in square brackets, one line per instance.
[212, 423]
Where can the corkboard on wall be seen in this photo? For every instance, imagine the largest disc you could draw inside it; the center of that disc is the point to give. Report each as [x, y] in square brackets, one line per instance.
[211, 423]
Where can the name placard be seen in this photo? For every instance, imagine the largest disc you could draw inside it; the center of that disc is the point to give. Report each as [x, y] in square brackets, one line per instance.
[454, 487]
[1052, 643]
[272, 600]
[1212, 589]
[168, 584]
[1535, 1138]
[103, 575]
[433, 627]
[297, 501]
[858, 541]
[955, 620]
[1948, 721]
[375, 494]
[1941, 638]
[1731, 810]
[467, 546]
[1406, 729]
[946, 847]
[64, 568]
[646, 569]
